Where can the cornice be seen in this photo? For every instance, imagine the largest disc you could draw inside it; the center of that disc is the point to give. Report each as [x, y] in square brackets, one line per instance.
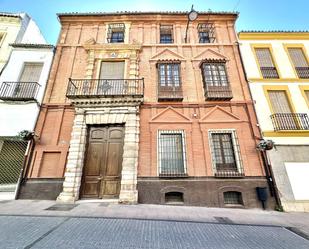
[273, 35]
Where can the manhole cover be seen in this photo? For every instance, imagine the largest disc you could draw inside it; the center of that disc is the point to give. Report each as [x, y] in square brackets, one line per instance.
[62, 207]
[224, 220]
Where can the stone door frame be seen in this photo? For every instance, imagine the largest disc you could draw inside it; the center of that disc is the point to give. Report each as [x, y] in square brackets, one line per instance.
[126, 115]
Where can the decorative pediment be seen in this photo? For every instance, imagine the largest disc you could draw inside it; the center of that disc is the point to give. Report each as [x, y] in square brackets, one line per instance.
[218, 114]
[167, 55]
[209, 54]
[170, 115]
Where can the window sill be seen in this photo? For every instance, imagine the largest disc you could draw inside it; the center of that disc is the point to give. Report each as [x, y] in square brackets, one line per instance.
[168, 175]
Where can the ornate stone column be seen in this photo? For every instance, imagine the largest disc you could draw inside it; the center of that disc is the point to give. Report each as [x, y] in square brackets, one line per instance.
[74, 167]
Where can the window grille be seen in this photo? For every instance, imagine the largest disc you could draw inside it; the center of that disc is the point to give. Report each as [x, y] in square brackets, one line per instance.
[115, 33]
[225, 153]
[206, 32]
[300, 62]
[267, 67]
[233, 198]
[172, 153]
[166, 34]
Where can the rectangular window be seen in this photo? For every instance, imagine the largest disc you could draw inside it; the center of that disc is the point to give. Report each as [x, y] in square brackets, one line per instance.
[266, 63]
[171, 153]
[215, 80]
[166, 34]
[300, 62]
[31, 72]
[279, 101]
[169, 84]
[283, 117]
[111, 80]
[1, 38]
[225, 153]
[115, 33]
[206, 32]
[27, 86]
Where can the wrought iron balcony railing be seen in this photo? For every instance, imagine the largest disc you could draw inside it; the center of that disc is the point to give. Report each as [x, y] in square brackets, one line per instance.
[290, 121]
[19, 91]
[85, 88]
[170, 93]
[302, 72]
[218, 92]
[269, 73]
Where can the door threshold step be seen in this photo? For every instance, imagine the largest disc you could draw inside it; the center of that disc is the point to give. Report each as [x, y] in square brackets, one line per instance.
[112, 201]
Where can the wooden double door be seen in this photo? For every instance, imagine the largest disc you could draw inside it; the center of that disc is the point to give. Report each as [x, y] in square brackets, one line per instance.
[103, 164]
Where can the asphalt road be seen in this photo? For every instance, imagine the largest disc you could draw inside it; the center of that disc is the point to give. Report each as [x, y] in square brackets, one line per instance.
[64, 232]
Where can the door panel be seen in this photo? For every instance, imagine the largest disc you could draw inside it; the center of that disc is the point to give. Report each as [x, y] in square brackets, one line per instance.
[102, 171]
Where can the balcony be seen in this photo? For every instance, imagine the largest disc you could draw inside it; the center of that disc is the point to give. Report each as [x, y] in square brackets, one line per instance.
[170, 93]
[19, 91]
[290, 121]
[269, 73]
[302, 72]
[218, 92]
[92, 88]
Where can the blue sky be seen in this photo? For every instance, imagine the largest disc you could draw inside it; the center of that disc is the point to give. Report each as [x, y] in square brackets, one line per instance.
[254, 14]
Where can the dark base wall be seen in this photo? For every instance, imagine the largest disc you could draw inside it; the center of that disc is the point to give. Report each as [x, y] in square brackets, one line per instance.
[41, 189]
[203, 191]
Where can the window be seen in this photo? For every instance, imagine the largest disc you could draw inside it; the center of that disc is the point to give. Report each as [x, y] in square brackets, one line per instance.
[266, 63]
[1, 38]
[307, 94]
[169, 81]
[174, 198]
[172, 156]
[279, 101]
[115, 33]
[214, 74]
[300, 62]
[206, 32]
[225, 153]
[232, 198]
[283, 117]
[111, 78]
[169, 74]
[166, 34]
[28, 85]
[215, 80]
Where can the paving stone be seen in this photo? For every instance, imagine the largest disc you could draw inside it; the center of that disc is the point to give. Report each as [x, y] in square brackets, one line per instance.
[125, 233]
[19, 232]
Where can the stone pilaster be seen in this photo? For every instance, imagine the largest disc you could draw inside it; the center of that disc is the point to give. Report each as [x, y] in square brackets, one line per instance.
[74, 167]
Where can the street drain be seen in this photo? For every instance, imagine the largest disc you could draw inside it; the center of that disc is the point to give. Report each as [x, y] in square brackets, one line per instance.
[225, 220]
[62, 207]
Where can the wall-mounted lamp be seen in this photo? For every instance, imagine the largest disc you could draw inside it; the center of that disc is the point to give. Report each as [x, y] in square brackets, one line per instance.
[192, 16]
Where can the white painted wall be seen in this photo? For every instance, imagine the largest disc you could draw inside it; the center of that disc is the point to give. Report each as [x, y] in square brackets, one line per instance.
[16, 116]
[298, 175]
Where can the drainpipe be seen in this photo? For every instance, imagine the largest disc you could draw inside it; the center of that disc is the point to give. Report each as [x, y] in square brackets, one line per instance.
[266, 162]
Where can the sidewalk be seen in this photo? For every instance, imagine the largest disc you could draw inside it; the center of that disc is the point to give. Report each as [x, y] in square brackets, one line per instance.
[300, 221]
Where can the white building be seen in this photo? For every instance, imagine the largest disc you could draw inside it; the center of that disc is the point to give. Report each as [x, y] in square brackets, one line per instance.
[277, 68]
[24, 75]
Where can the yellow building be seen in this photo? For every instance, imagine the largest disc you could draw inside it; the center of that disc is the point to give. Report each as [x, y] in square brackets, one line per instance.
[277, 68]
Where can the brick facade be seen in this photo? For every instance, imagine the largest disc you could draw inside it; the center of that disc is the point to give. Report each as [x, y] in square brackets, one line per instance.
[82, 46]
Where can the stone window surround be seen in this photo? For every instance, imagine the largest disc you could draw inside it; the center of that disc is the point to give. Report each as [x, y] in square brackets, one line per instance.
[127, 115]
